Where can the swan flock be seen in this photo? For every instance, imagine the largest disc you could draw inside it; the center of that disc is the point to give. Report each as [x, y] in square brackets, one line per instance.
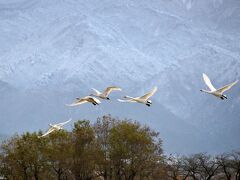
[144, 99]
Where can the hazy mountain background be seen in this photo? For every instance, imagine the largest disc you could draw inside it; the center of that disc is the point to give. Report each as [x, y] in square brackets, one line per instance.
[53, 51]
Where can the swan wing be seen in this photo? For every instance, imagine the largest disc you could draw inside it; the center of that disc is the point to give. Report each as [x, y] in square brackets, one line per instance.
[96, 91]
[150, 94]
[127, 100]
[208, 82]
[77, 102]
[227, 87]
[129, 97]
[110, 89]
[50, 130]
[63, 123]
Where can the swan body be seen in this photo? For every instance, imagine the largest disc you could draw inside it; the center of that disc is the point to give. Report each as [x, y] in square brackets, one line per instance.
[106, 92]
[87, 99]
[142, 99]
[216, 92]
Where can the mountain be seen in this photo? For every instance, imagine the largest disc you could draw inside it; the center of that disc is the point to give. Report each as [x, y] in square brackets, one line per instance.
[53, 51]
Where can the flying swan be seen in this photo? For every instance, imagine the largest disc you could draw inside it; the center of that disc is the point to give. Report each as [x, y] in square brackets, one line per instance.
[55, 127]
[86, 99]
[143, 99]
[216, 92]
[105, 94]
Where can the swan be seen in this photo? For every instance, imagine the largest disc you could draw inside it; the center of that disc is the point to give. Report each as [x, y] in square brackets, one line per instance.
[55, 127]
[105, 94]
[86, 99]
[143, 99]
[216, 92]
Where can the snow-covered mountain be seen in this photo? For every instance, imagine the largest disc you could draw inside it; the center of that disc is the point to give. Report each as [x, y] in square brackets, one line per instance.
[52, 51]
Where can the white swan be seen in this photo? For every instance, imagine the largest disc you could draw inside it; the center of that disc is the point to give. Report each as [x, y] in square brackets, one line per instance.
[86, 99]
[105, 94]
[55, 127]
[216, 92]
[143, 99]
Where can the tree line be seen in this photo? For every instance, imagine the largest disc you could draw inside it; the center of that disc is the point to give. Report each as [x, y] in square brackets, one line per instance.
[202, 166]
[109, 149]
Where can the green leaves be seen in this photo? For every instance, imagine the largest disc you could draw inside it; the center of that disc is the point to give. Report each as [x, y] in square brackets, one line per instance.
[108, 148]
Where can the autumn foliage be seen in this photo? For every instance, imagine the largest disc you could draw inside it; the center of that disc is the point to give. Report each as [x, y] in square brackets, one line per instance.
[109, 149]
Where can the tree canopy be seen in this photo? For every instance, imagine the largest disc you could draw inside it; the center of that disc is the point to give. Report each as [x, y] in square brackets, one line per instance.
[109, 149]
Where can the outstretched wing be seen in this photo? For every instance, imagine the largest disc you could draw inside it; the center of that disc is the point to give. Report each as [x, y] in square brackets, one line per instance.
[63, 123]
[110, 89]
[50, 130]
[208, 82]
[127, 100]
[96, 91]
[77, 102]
[227, 87]
[150, 94]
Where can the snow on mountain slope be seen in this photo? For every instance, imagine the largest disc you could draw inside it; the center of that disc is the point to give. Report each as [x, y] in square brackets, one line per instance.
[70, 46]
[52, 51]
[51, 38]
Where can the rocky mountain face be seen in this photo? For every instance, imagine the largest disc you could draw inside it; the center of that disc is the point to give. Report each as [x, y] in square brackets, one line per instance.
[53, 51]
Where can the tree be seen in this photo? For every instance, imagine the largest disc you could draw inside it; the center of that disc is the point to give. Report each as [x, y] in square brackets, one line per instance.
[224, 163]
[85, 151]
[235, 164]
[190, 165]
[208, 166]
[134, 150]
[102, 130]
[174, 168]
[22, 157]
[9, 166]
[59, 152]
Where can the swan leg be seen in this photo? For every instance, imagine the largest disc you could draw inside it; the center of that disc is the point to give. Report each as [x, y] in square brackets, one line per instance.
[148, 105]
[223, 97]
